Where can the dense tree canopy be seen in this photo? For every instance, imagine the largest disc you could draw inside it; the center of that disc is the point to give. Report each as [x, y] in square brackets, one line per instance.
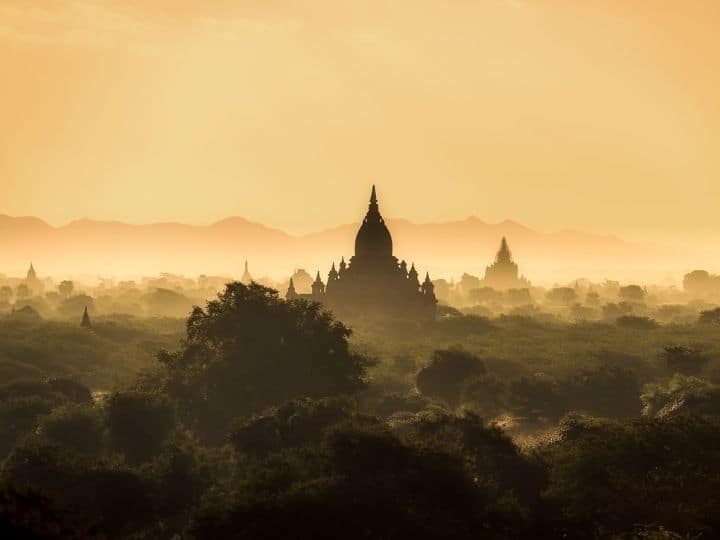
[266, 422]
[448, 369]
[249, 349]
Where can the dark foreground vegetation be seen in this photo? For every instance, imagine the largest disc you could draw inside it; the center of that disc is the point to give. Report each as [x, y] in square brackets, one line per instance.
[265, 421]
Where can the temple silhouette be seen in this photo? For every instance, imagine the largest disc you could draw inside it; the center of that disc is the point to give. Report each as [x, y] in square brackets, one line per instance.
[85, 322]
[503, 273]
[373, 283]
[33, 283]
[246, 277]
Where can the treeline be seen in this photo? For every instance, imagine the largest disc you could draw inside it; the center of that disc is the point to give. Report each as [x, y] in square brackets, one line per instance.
[109, 354]
[266, 423]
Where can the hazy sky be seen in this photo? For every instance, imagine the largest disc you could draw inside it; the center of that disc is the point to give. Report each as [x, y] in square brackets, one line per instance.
[600, 115]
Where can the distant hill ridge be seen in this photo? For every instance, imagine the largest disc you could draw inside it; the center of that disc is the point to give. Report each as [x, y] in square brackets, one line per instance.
[113, 247]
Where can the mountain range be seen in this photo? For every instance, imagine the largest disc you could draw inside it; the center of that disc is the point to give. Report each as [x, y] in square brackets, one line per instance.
[104, 248]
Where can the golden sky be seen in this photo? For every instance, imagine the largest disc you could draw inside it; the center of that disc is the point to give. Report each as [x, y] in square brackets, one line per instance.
[599, 115]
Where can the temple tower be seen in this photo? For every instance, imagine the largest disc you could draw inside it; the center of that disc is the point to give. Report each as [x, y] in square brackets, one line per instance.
[503, 273]
[374, 283]
[85, 323]
[246, 277]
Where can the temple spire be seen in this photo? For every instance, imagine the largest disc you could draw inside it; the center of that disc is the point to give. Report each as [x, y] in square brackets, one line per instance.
[318, 287]
[85, 323]
[373, 209]
[503, 254]
[413, 275]
[333, 274]
[428, 287]
[291, 293]
[246, 277]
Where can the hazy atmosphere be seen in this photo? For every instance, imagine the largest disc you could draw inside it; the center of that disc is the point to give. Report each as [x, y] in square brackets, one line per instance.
[359, 269]
[596, 116]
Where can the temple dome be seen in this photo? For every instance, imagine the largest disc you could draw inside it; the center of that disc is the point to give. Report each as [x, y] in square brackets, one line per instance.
[373, 238]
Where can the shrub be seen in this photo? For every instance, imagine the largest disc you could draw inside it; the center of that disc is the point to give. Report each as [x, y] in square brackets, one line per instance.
[138, 423]
[77, 427]
[444, 376]
[636, 323]
[685, 360]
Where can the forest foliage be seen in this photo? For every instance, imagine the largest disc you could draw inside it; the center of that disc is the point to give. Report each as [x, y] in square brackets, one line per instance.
[264, 418]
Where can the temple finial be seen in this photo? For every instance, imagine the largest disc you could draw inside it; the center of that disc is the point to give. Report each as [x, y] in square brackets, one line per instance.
[373, 196]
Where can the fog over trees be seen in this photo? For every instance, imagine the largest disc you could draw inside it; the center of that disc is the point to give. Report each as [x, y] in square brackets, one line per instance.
[257, 417]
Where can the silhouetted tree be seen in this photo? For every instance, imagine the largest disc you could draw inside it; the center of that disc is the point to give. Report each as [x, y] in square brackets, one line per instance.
[611, 311]
[681, 395]
[119, 499]
[23, 291]
[592, 298]
[700, 283]
[636, 323]
[138, 423]
[6, 293]
[462, 326]
[609, 390]
[444, 376]
[66, 288]
[18, 417]
[562, 295]
[30, 515]
[537, 397]
[74, 306]
[77, 427]
[632, 293]
[711, 316]
[485, 394]
[294, 424]
[249, 350]
[685, 360]
[484, 294]
[469, 282]
[518, 296]
[168, 303]
[665, 469]
[361, 482]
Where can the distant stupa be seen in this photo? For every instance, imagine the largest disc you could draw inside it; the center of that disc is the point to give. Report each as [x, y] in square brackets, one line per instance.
[32, 281]
[246, 277]
[503, 273]
[85, 323]
[302, 281]
[291, 292]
